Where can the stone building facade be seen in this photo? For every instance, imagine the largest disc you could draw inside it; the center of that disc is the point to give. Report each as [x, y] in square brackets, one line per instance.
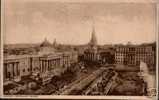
[133, 54]
[107, 56]
[17, 66]
[14, 67]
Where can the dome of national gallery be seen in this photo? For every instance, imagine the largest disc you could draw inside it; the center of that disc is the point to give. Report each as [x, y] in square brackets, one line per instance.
[45, 43]
[46, 47]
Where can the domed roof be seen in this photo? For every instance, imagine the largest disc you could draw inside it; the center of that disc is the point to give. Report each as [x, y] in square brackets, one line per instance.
[45, 43]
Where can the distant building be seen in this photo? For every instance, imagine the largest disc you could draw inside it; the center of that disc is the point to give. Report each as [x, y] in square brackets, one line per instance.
[46, 47]
[107, 55]
[97, 54]
[91, 53]
[133, 54]
[14, 67]
[55, 43]
[47, 60]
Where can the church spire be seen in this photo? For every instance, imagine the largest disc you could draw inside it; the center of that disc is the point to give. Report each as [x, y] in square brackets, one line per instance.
[93, 40]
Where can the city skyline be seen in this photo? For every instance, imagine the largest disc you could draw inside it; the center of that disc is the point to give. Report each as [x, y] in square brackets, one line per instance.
[79, 48]
[71, 23]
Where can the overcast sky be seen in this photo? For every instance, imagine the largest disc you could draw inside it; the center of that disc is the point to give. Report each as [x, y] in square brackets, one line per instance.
[71, 22]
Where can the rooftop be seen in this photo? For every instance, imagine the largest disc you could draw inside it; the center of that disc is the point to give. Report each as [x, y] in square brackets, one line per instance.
[45, 43]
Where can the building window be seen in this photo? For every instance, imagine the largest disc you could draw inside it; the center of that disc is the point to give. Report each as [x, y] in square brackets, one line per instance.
[28, 69]
[23, 70]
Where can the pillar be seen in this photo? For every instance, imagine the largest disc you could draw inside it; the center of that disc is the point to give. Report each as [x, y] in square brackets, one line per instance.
[45, 65]
[10, 70]
[13, 69]
[49, 65]
[55, 62]
[47, 62]
[18, 69]
[41, 64]
[5, 70]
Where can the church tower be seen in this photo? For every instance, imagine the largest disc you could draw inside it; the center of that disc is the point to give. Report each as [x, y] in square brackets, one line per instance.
[93, 41]
[91, 54]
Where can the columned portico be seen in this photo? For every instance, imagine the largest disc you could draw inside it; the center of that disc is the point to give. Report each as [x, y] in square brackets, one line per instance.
[11, 70]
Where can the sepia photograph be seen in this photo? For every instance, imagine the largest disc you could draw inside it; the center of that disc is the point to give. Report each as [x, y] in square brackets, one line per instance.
[83, 48]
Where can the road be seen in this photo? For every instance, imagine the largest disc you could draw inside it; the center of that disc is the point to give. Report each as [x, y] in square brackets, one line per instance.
[77, 86]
